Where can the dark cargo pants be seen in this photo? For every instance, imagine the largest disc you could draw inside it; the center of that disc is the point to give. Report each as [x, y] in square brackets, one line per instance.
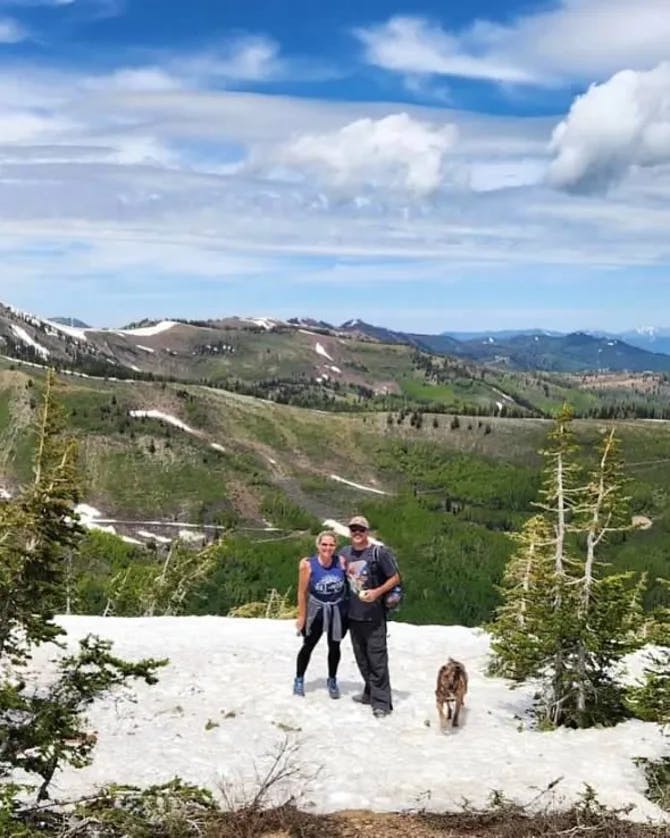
[371, 653]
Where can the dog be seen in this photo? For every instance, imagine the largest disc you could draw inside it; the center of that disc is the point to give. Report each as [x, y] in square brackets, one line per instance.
[452, 685]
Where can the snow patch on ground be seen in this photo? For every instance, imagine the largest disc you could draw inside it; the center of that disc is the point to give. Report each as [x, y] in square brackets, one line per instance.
[223, 705]
[191, 536]
[172, 420]
[504, 395]
[145, 348]
[318, 348]
[89, 518]
[5, 494]
[357, 485]
[264, 322]
[148, 331]
[336, 527]
[72, 331]
[336, 369]
[23, 336]
[159, 539]
[162, 417]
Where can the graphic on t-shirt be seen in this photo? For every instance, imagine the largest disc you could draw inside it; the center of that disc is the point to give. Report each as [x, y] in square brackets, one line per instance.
[357, 571]
[329, 584]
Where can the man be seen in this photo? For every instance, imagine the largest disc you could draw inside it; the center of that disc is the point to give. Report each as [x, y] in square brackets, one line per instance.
[372, 572]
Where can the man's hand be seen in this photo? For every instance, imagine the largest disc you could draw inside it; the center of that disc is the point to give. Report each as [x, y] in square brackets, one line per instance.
[371, 595]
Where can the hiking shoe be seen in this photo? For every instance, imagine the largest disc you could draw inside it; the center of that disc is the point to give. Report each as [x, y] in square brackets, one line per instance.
[379, 712]
[299, 686]
[361, 698]
[333, 689]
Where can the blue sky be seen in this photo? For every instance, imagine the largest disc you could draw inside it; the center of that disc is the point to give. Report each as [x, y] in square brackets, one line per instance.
[490, 165]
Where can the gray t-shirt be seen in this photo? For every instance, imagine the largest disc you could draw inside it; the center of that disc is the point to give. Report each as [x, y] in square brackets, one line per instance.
[366, 569]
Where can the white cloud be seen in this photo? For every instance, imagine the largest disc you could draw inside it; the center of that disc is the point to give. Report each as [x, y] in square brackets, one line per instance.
[136, 79]
[394, 152]
[148, 172]
[614, 126]
[11, 31]
[411, 45]
[247, 58]
[577, 40]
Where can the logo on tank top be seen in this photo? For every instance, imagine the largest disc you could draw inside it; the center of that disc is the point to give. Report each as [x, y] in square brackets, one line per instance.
[329, 584]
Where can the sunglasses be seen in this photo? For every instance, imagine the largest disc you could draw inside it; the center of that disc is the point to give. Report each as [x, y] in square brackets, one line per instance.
[357, 529]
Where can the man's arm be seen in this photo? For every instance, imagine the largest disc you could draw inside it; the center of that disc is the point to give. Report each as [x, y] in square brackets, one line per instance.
[390, 569]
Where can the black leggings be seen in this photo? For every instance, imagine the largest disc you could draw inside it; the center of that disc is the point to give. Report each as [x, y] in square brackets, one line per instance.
[308, 644]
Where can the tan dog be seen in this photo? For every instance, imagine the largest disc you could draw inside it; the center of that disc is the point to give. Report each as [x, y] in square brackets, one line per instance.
[452, 685]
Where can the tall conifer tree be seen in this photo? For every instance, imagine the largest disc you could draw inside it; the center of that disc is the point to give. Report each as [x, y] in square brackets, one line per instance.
[579, 620]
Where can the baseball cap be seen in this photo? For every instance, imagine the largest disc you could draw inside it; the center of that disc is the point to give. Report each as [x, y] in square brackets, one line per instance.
[359, 521]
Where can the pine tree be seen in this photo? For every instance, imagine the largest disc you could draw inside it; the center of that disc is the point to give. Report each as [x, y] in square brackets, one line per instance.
[44, 725]
[579, 620]
[651, 700]
[39, 528]
[560, 494]
[518, 630]
[609, 607]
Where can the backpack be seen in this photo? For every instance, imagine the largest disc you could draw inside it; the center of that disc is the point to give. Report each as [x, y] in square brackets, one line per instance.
[393, 598]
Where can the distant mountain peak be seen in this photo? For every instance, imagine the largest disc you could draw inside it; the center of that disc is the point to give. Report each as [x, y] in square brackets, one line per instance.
[73, 322]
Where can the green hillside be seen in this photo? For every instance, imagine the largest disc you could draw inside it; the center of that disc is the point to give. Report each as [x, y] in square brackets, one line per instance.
[453, 485]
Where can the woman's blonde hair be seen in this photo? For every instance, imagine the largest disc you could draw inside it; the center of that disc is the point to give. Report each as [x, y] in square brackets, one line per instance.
[323, 534]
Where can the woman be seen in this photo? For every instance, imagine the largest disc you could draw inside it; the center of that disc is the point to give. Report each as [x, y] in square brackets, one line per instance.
[322, 600]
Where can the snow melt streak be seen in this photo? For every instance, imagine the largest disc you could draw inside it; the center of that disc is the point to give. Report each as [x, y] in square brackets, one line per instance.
[23, 336]
[357, 485]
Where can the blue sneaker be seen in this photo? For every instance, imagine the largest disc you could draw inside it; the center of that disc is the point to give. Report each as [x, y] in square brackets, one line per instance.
[333, 689]
[299, 686]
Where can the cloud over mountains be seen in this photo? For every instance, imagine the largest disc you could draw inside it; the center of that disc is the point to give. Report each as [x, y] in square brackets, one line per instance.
[612, 128]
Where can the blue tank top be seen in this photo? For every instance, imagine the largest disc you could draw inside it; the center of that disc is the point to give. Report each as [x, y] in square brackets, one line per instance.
[327, 584]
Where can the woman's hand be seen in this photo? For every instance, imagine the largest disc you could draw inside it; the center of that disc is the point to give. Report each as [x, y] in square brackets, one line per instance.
[300, 624]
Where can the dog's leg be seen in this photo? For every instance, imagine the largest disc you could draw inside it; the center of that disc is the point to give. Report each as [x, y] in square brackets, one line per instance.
[457, 710]
[440, 713]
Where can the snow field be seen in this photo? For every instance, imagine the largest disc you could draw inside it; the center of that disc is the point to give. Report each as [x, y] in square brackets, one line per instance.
[224, 704]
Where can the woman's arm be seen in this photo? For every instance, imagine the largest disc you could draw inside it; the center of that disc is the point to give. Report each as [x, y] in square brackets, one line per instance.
[304, 572]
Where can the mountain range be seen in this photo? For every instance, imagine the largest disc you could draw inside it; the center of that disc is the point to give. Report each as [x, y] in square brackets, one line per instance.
[535, 349]
[246, 347]
[652, 338]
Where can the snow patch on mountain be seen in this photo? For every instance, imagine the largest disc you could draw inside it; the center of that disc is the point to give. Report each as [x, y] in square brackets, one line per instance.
[357, 485]
[163, 417]
[318, 348]
[148, 331]
[23, 336]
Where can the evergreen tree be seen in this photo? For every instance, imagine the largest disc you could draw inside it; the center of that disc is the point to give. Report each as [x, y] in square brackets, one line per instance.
[563, 619]
[609, 607]
[651, 701]
[44, 725]
[518, 632]
[38, 531]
